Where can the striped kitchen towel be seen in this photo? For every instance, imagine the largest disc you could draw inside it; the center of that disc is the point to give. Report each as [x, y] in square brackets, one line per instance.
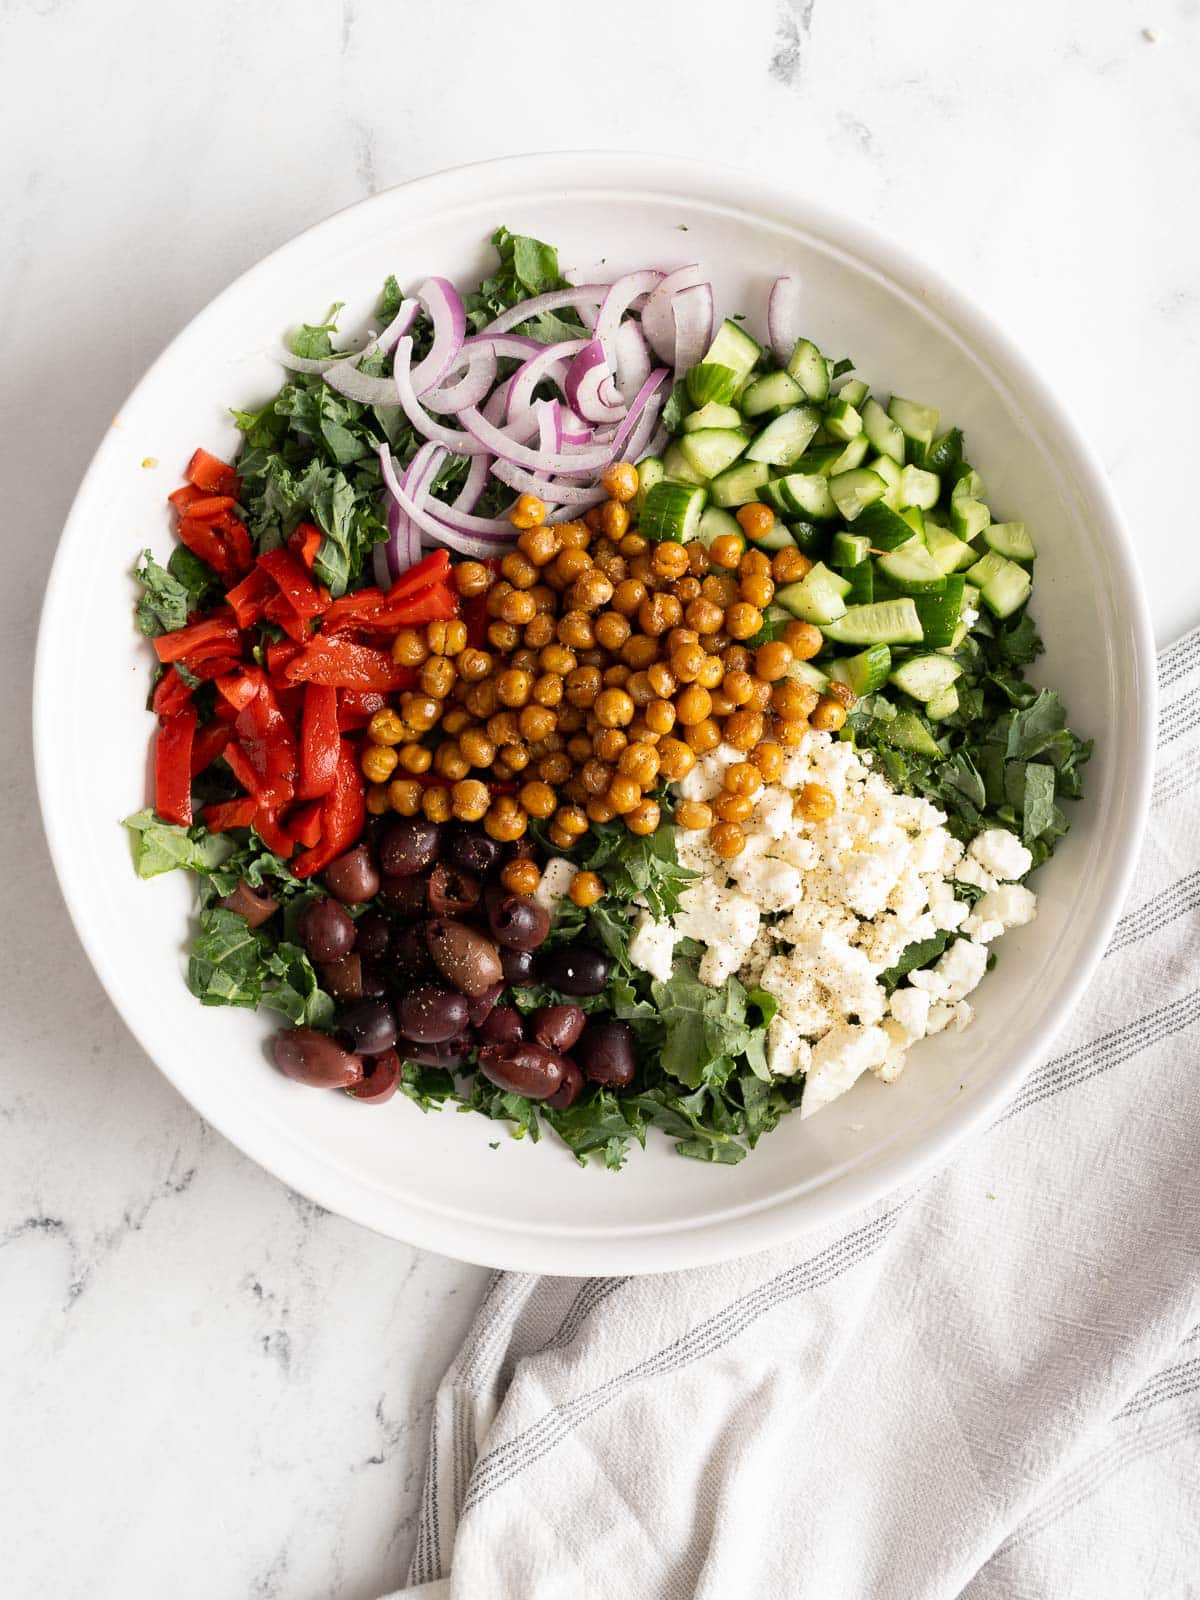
[986, 1386]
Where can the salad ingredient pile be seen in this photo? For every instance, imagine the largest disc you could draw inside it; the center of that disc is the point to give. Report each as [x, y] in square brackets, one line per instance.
[675, 791]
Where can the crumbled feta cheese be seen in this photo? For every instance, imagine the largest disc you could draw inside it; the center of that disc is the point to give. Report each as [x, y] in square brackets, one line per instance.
[981, 929]
[788, 1051]
[960, 969]
[773, 885]
[774, 815]
[555, 881]
[910, 1007]
[838, 1060]
[651, 946]
[1011, 905]
[1001, 853]
[892, 1065]
[970, 872]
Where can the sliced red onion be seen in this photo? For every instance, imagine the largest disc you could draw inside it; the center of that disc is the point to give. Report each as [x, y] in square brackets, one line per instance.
[552, 490]
[463, 444]
[617, 303]
[404, 542]
[315, 365]
[480, 527]
[576, 295]
[484, 536]
[692, 310]
[570, 513]
[506, 346]
[475, 483]
[632, 360]
[384, 577]
[368, 390]
[398, 326]
[551, 361]
[549, 421]
[445, 309]
[783, 317]
[574, 429]
[489, 437]
[657, 323]
[474, 386]
[589, 387]
[647, 402]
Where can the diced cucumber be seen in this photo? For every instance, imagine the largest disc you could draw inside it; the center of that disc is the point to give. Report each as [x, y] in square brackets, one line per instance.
[807, 366]
[711, 450]
[784, 440]
[848, 549]
[822, 458]
[1007, 591]
[854, 454]
[740, 484]
[942, 705]
[944, 455]
[807, 672]
[862, 584]
[907, 732]
[854, 391]
[918, 488]
[809, 538]
[854, 491]
[915, 518]
[712, 380]
[951, 554]
[842, 420]
[915, 421]
[677, 466]
[883, 622]
[884, 434]
[777, 537]
[1010, 539]
[712, 416]
[884, 467]
[969, 515]
[776, 392]
[913, 570]
[818, 597]
[806, 495]
[985, 569]
[650, 471]
[941, 614]
[923, 676]
[672, 511]
[886, 529]
[714, 523]
[734, 348]
[865, 672]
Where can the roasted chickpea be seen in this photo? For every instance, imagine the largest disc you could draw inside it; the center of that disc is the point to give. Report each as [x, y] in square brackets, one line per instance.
[644, 817]
[415, 758]
[555, 768]
[614, 708]
[582, 687]
[692, 705]
[571, 819]
[633, 544]
[518, 608]
[420, 711]
[469, 800]
[789, 565]
[514, 756]
[570, 564]
[586, 888]
[471, 578]
[675, 759]
[703, 736]
[513, 687]
[404, 796]
[772, 660]
[573, 535]
[686, 661]
[711, 672]
[757, 588]
[669, 560]
[614, 519]
[658, 613]
[539, 632]
[639, 651]
[504, 825]
[737, 658]
[378, 762]
[611, 630]
[409, 648]
[755, 520]
[805, 639]
[754, 564]
[385, 727]
[477, 747]
[743, 777]
[628, 596]
[558, 658]
[639, 688]
[721, 588]
[474, 665]
[726, 550]
[529, 512]
[686, 590]
[760, 695]
[597, 810]
[503, 636]
[548, 689]
[608, 743]
[815, 802]
[660, 716]
[841, 692]
[536, 722]
[728, 840]
[377, 799]
[595, 776]
[576, 631]
[496, 596]
[768, 758]
[580, 748]
[743, 729]
[570, 718]
[694, 815]
[743, 620]
[503, 728]
[698, 562]
[790, 734]
[623, 794]
[639, 762]
[704, 616]
[828, 714]
[620, 481]
[449, 761]
[561, 840]
[590, 591]
[642, 568]
[738, 685]
[660, 680]
[722, 705]
[481, 700]
[538, 799]
[545, 599]
[437, 805]
[520, 876]
[437, 677]
[539, 545]
[678, 637]
[732, 807]
[793, 700]
[617, 676]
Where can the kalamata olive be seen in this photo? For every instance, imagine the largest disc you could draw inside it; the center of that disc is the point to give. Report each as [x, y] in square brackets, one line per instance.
[326, 930]
[575, 969]
[373, 984]
[452, 890]
[380, 1079]
[411, 960]
[473, 851]
[468, 958]
[480, 1006]
[373, 936]
[525, 1069]
[249, 903]
[407, 897]
[343, 979]
[605, 1053]
[568, 1091]
[352, 878]
[369, 1026]
[312, 1057]
[409, 845]
[522, 849]
[518, 966]
[502, 1026]
[557, 1027]
[450, 1053]
[430, 1014]
[519, 921]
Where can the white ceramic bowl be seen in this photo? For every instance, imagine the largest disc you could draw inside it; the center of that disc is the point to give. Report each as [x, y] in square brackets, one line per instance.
[434, 1180]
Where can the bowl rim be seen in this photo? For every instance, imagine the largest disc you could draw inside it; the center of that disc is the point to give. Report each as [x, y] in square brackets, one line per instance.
[329, 1183]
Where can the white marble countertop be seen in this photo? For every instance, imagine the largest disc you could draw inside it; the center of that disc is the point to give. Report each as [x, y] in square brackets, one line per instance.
[210, 1387]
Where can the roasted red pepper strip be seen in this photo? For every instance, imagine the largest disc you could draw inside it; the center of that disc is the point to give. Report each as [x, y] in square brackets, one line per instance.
[189, 495]
[435, 604]
[346, 665]
[210, 668]
[237, 540]
[429, 569]
[474, 610]
[266, 739]
[212, 636]
[289, 572]
[212, 475]
[305, 540]
[375, 612]
[343, 813]
[272, 835]
[204, 541]
[240, 686]
[279, 611]
[249, 598]
[209, 743]
[239, 764]
[207, 508]
[171, 695]
[356, 707]
[173, 768]
[319, 743]
[230, 814]
[352, 610]
[304, 823]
